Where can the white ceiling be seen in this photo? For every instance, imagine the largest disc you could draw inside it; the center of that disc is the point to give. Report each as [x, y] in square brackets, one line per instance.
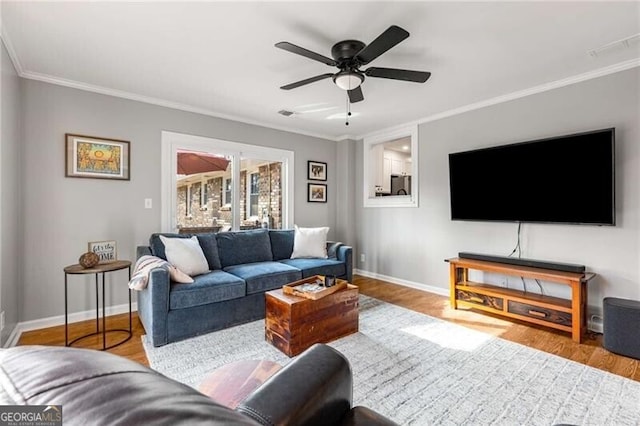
[219, 57]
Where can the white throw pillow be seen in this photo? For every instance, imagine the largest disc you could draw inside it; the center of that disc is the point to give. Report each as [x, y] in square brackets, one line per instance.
[310, 242]
[186, 255]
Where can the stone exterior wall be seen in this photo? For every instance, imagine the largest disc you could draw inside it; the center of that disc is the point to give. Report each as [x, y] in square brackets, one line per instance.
[215, 214]
[270, 194]
[243, 195]
[201, 216]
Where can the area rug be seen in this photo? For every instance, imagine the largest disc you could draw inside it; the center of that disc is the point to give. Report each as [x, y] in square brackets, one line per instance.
[420, 370]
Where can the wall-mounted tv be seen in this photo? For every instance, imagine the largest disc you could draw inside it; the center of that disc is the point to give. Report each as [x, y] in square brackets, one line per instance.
[566, 179]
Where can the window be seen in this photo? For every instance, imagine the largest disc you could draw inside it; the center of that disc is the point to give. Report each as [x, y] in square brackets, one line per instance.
[390, 161]
[205, 194]
[249, 186]
[227, 192]
[254, 193]
[187, 204]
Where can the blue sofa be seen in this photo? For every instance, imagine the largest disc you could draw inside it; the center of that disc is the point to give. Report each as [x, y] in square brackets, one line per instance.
[243, 266]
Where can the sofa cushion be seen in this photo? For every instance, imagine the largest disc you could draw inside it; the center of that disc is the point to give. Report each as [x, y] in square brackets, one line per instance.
[209, 245]
[310, 267]
[240, 247]
[281, 243]
[215, 286]
[263, 276]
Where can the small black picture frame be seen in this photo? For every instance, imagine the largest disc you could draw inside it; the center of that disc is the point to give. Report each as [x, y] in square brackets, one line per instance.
[316, 193]
[316, 170]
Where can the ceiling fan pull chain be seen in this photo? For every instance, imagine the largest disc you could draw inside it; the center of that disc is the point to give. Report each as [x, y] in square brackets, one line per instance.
[348, 111]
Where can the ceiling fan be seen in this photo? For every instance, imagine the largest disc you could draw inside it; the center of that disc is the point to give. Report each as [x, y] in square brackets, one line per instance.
[350, 55]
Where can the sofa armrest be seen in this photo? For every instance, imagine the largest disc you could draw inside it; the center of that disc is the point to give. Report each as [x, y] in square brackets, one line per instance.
[332, 249]
[313, 389]
[142, 251]
[153, 306]
[345, 254]
[97, 388]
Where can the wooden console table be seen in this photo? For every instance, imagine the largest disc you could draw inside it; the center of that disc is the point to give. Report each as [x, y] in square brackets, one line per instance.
[562, 314]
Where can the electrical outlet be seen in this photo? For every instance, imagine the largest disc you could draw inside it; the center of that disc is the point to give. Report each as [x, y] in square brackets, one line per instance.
[148, 203]
[363, 257]
[1, 320]
[596, 324]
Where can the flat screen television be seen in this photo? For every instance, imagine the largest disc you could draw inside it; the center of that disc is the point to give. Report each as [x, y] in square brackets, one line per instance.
[566, 179]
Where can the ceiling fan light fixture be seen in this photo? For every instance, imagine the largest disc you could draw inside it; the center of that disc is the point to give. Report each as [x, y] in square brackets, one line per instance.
[348, 80]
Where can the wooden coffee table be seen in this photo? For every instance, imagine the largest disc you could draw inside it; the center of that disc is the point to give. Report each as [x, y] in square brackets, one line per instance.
[230, 384]
[293, 324]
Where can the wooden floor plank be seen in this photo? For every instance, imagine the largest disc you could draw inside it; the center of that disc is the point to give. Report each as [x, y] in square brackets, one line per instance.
[590, 352]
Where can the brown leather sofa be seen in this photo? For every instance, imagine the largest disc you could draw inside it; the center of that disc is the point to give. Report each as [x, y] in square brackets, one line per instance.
[96, 388]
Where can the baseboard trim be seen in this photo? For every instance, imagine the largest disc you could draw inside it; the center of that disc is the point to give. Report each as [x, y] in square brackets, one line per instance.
[13, 337]
[21, 327]
[400, 281]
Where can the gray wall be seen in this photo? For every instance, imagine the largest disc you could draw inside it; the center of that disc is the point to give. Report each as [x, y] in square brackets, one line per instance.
[10, 188]
[62, 214]
[412, 243]
[345, 191]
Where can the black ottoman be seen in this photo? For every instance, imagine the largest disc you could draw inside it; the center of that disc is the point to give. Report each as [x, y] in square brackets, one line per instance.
[621, 323]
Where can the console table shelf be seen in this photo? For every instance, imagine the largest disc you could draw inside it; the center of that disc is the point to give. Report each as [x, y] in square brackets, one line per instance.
[562, 314]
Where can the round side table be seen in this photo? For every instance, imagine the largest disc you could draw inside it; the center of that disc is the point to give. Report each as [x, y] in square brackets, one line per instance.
[98, 270]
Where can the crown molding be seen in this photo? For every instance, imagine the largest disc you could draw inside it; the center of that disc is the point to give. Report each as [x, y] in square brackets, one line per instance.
[600, 72]
[135, 97]
[345, 137]
[161, 102]
[10, 50]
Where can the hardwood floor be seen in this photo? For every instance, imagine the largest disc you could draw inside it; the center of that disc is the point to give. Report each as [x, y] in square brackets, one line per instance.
[132, 348]
[590, 352]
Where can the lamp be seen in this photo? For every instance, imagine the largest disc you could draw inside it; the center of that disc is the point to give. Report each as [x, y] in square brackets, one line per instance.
[348, 80]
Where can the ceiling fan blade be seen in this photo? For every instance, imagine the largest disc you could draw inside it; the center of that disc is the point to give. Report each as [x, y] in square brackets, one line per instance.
[355, 95]
[306, 81]
[385, 41]
[285, 45]
[397, 74]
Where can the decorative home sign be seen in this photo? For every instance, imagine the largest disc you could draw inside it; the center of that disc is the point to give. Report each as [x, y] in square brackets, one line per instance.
[93, 157]
[316, 170]
[106, 250]
[317, 193]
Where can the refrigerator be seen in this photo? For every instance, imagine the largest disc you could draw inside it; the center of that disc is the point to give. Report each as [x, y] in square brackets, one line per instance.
[400, 185]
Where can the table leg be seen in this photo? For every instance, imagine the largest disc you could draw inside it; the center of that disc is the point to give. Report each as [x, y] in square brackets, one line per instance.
[129, 301]
[576, 311]
[66, 315]
[97, 307]
[453, 275]
[104, 319]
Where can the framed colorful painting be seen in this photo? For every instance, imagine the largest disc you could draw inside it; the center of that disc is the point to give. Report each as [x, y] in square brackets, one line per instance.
[98, 158]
